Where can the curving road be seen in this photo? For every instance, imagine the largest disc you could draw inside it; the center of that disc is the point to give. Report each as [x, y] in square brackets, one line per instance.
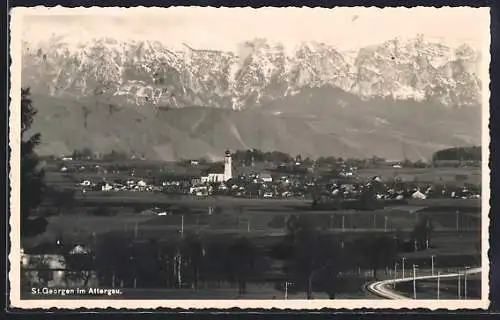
[382, 289]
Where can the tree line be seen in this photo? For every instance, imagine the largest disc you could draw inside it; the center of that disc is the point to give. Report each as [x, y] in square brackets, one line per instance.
[458, 154]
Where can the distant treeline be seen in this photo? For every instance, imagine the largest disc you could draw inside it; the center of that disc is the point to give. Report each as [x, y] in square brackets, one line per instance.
[458, 154]
[250, 156]
[88, 154]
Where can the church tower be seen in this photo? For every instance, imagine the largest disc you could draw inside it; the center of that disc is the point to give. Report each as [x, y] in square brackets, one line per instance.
[228, 166]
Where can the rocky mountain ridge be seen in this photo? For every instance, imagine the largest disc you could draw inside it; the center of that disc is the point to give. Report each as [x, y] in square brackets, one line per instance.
[257, 73]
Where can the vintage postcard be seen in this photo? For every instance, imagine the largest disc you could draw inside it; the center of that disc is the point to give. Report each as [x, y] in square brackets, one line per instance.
[298, 158]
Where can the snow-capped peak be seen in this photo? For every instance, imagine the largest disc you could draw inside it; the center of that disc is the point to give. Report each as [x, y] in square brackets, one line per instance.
[149, 72]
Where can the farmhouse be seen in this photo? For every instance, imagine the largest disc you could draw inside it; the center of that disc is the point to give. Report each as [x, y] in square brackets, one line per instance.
[46, 264]
[266, 177]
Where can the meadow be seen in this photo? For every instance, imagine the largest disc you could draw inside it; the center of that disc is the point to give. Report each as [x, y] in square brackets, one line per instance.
[448, 175]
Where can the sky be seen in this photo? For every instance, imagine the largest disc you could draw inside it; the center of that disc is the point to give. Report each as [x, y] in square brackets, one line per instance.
[224, 29]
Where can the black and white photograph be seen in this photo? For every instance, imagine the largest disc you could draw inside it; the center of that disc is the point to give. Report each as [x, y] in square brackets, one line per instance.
[299, 158]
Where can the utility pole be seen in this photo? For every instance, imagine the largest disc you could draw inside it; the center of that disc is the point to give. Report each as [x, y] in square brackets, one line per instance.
[385, 224]
[432, 265]
[248, 224]
[374, 221]
[457, 213]
[287, 283]
[459, 293]
[403, 259]
[438, 280]
[343, 223]
[182, 226]
[415, 281]
[465, 282]
[178, 260]
[395, 275]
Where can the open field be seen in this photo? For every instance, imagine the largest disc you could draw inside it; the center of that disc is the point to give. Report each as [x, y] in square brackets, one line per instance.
[258, 215]
[81, 226]
[425, 175]
[131, 198]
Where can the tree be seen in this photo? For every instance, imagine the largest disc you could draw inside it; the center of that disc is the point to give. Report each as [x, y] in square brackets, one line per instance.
[148, 264]
[376, 252]
[194, 252]
[114, 258]
[64, 199]
[85, 153]
[313, 256]
[32, 176]
[367, 199]
[241, 258]
[79, 265]
[44, 272]
[115, 156]
[422, 232]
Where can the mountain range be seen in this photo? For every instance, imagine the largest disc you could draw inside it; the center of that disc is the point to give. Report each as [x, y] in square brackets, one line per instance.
[402, 98]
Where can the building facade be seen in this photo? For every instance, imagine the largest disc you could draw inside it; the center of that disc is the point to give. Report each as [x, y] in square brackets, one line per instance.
[221, 176]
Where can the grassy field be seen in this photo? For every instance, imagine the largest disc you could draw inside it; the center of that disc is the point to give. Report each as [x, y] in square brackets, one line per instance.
[425, 175]
[81, 226]
[131, 198]
[238, 215]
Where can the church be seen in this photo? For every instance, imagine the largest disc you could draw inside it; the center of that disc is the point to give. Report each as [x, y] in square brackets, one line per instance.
[221, 176]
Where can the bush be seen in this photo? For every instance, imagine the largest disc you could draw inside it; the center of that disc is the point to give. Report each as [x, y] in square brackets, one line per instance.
[277, 222]
[105, 211]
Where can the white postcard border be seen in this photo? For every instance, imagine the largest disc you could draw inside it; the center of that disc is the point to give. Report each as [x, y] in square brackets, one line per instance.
[14, 176]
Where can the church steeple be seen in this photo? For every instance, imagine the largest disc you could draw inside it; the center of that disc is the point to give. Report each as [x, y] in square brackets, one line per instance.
[228, 166]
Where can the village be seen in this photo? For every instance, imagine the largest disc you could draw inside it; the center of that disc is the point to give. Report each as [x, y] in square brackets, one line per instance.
[281, 182]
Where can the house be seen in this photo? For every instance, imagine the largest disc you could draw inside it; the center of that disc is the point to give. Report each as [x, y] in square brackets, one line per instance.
[85, 183]
[106, 187]
[266, 177]
[198, 190]
[46, 265]
[213, 177]
[418, 195]
[79, 249]
[45, 256]
[195, 181]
